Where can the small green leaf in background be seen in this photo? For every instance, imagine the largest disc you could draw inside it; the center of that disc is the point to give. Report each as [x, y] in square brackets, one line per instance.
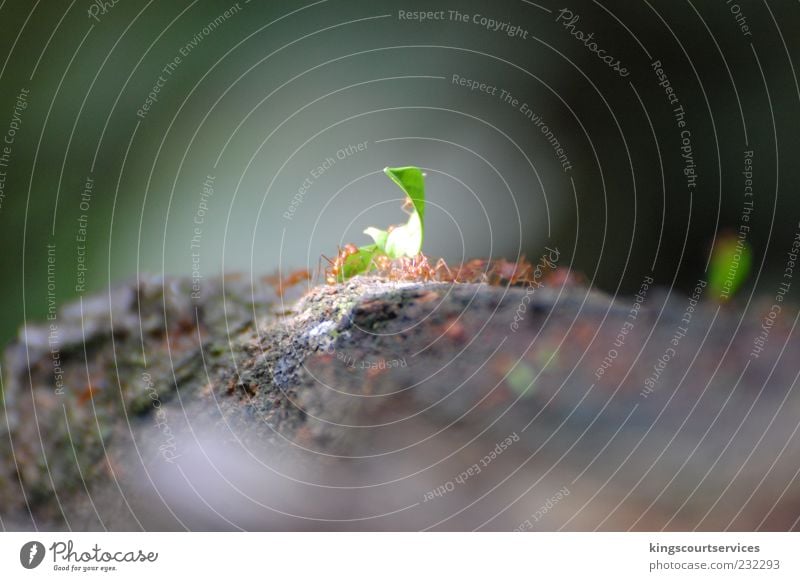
[731, 261]
[522, 378]
[412, 181]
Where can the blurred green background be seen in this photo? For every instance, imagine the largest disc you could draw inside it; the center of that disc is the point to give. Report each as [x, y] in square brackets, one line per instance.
[263, 93]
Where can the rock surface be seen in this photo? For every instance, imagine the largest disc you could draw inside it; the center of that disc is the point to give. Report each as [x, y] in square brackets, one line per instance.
[384, 405]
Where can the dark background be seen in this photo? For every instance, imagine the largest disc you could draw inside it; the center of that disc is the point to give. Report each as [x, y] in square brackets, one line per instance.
[278, 87]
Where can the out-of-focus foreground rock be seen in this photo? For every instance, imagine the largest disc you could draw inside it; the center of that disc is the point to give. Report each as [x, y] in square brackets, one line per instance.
[383, 405]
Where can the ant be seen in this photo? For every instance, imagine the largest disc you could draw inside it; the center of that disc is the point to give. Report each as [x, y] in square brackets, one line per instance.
[514, 273]
[414, 268]
[282, 283]
[419, 268]
[405, 268]
[334, 273]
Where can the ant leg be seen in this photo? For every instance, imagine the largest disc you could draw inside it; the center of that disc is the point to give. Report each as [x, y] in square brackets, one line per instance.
[318, 273]
[325, 274]
[442, 265]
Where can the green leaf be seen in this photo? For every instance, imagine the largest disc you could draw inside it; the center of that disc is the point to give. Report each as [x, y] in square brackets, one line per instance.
[522, 379]
[412, 181]
[731, 262]
[379, 236]
[407, 240]
[359, 262]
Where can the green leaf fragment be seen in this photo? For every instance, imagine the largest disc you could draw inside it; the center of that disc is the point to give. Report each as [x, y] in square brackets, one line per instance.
[405, 240]
[521, 379]
[379, 236]
[412, 181]
[359, 262]
[731, 262]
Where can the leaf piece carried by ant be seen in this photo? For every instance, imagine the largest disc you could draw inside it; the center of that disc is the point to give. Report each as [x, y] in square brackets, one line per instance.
[406, 240]
[393, 243]
[379, 236]
[731, 261]
[359, 261]
[349, 262]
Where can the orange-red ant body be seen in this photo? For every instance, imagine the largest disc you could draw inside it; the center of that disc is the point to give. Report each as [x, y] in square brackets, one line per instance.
[334, 273]
[419, 268]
